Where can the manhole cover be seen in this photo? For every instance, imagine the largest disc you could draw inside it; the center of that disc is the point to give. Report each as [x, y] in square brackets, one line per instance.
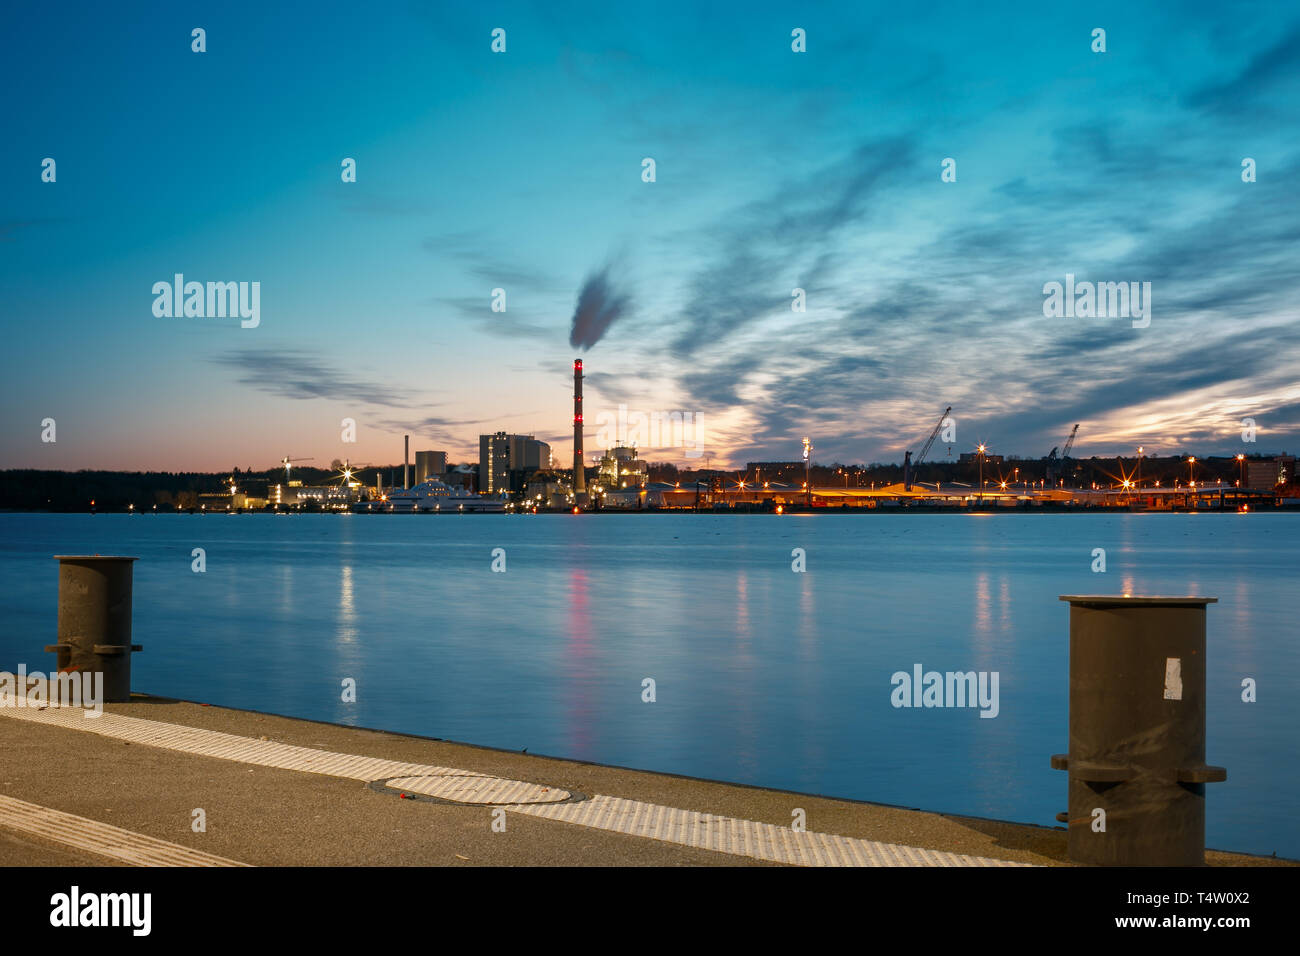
[476, 790]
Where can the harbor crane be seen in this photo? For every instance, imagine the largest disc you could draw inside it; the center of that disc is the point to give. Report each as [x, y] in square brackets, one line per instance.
[288, 463]
[1054, 465]
[908, 464]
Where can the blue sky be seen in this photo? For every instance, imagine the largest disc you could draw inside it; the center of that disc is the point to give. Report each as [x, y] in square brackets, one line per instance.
[522, 171]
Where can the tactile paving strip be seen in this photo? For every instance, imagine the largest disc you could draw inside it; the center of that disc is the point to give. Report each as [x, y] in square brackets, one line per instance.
[760, 841]
[212, 743]
[102, 839]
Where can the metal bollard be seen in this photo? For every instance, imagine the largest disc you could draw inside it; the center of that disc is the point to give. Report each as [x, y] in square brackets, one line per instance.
[1137, 731]
[95, 620]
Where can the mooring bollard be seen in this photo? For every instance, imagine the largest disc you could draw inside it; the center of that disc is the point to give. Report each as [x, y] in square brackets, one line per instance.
[1137, 731]
[95, 620]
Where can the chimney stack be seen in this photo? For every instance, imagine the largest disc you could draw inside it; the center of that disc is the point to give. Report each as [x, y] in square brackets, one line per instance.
[579, 468]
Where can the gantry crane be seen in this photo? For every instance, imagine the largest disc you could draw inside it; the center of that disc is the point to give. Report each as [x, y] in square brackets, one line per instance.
[909, 464]
[1054, 465]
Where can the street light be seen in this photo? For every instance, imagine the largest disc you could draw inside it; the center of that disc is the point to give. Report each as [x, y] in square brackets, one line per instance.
[807, 469]
[1241, 460]
[980, 449]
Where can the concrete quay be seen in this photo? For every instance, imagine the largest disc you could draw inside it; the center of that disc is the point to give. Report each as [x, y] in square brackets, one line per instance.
[124, 788]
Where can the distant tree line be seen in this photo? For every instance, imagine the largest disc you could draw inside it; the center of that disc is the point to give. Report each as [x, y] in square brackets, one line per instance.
[36, 490]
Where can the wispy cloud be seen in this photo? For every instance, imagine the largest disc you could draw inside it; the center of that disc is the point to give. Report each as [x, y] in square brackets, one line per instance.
[1277, 62]
[476, 256]
[305, 375]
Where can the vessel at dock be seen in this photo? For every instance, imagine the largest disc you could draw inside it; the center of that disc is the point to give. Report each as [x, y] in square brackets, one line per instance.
[432, 497]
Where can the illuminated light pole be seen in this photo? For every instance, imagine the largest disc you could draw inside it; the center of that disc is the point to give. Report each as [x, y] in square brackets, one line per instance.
[1241, 460]
[1139, 471]
[807, 468]
[981, 451]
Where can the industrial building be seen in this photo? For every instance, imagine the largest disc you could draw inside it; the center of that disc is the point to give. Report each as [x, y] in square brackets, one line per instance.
[973, 458]
[463, 476]
[654, 494]
[545, 488]
[1268, 474]
[430, 464]
[621, 468]
[296, 494]
[506, 461]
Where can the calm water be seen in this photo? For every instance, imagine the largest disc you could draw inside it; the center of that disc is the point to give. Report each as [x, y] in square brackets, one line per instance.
[763, 676]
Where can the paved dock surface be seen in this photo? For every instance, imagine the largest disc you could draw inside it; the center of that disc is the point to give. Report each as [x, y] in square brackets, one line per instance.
[275, 791]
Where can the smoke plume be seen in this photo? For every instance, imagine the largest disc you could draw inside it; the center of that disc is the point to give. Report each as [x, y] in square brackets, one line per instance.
[599, 306]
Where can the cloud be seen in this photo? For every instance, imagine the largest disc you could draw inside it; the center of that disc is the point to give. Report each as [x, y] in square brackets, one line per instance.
[1278, 62]
[472, 250]
[769, 238]
[303, 375]
[957, 317]
[509, 324]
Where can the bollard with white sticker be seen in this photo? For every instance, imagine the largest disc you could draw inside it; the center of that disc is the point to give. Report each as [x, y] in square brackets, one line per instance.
[1137, 731]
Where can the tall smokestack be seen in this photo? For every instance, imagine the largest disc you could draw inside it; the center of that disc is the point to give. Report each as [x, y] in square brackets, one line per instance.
[406, 464]
[579, 469]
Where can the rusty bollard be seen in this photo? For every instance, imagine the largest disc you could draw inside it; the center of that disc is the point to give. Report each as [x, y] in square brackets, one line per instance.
[95, 620]
[1137, 731]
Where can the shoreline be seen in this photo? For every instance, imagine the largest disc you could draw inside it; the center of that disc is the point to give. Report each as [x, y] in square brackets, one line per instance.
[884, 510]
[150, 776]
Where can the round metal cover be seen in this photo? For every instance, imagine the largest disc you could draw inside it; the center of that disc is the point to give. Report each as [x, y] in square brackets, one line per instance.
[477, 790]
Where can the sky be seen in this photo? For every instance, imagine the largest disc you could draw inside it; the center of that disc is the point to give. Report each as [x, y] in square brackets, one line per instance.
[522, 170]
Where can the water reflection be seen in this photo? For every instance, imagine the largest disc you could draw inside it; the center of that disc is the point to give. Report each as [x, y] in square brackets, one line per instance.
[286, 589]
[983, 609]
[347, 608]
[1004, 603]
[807, 620]
[742, 676]
[581, 717]
[744, 634]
